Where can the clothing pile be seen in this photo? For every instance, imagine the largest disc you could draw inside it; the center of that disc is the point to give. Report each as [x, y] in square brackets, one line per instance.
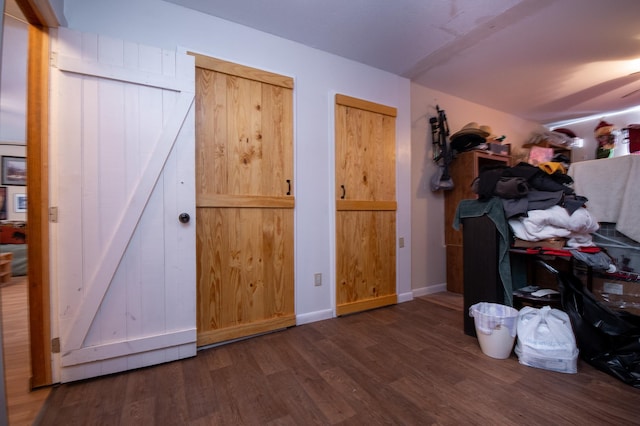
[539, 202]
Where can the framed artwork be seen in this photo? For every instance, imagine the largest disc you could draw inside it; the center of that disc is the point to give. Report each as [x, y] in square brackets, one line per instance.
[20, 204]
[3, 203]
[14, 171]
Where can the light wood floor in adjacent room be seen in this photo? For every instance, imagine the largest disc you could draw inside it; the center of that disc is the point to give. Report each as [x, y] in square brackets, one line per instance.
[408, 364]
[23, 404]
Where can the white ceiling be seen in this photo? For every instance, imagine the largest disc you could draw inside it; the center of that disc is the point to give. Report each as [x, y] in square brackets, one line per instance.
[542, 60]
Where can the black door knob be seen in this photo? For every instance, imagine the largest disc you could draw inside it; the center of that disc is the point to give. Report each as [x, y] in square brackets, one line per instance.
[184, 217]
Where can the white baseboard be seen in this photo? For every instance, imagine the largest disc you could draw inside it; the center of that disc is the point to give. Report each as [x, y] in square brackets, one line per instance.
[405, 297]
[328, 313]
[314, 316]
[430, 289]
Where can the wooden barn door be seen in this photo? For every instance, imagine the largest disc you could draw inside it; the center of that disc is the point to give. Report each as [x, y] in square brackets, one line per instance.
[365, 205]
[122, 173]
[244, 198]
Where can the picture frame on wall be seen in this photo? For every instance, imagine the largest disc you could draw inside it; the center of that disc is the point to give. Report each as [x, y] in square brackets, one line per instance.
[3, 203]
[14, 171]
[20, 203]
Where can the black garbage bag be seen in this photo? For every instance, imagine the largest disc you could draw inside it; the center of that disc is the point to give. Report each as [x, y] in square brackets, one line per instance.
[607, 339]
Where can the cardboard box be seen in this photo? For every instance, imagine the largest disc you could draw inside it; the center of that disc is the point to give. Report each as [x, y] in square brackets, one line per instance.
[556, 243]
[621, 295]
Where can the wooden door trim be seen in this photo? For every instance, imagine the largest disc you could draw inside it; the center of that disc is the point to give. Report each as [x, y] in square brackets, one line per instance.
[37, 135]
[367, 304]
[366, 105]
[244, 330]
[219, 65]
[358, 205]
[38, 206]
[224, 200]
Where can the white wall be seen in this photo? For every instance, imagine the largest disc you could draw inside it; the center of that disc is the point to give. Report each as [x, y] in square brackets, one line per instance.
[318, 76]
[427, 212]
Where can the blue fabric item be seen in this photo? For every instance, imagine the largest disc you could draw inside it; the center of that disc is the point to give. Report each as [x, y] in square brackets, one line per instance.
[494, 210]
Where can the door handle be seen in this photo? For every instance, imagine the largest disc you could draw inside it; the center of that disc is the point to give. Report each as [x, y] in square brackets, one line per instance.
[344, 192]
[289, 186]
[184, 218]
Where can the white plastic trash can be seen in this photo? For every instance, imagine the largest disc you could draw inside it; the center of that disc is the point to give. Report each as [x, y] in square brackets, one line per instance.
[496, 327]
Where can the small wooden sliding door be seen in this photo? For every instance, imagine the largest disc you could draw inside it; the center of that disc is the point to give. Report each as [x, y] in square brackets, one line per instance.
[365, 205]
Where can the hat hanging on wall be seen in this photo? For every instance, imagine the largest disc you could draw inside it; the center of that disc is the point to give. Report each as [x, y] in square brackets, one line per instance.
[565, 131]
[603, 128]
[473, 129]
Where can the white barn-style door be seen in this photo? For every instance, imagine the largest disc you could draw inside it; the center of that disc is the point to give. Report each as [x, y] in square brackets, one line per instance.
[122, 173]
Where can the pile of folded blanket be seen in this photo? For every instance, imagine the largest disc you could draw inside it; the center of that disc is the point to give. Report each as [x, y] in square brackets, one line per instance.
[539, 202]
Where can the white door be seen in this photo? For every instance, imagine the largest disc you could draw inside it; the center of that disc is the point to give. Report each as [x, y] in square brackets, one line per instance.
[122, 172]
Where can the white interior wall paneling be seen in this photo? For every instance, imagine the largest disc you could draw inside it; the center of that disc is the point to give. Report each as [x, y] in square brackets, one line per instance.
[124, 169]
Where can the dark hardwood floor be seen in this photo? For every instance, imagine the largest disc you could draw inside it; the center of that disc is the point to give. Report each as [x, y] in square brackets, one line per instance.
[408, 364]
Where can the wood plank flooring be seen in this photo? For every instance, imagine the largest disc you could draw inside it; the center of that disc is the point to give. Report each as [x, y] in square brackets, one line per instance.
[23, 404]
[408, 364]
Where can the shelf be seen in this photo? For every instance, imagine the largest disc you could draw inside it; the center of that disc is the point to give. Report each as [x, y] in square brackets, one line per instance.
[464, 169]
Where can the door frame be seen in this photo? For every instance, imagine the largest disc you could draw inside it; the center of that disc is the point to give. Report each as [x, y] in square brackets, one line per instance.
[38, 273]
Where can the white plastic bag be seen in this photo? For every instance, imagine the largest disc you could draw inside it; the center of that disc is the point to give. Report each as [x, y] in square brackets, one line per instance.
[546, 340]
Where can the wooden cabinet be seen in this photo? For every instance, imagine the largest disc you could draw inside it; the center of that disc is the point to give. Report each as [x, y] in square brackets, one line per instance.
[464, 169]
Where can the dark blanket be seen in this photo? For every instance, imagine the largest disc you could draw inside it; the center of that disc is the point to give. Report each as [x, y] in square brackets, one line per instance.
[526, 187]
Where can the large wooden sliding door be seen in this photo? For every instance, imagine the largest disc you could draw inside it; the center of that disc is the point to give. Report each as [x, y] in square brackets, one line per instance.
[244, 172]
[365, 205]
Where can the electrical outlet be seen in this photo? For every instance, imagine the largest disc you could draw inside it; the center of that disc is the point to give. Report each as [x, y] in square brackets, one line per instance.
[317, 279]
